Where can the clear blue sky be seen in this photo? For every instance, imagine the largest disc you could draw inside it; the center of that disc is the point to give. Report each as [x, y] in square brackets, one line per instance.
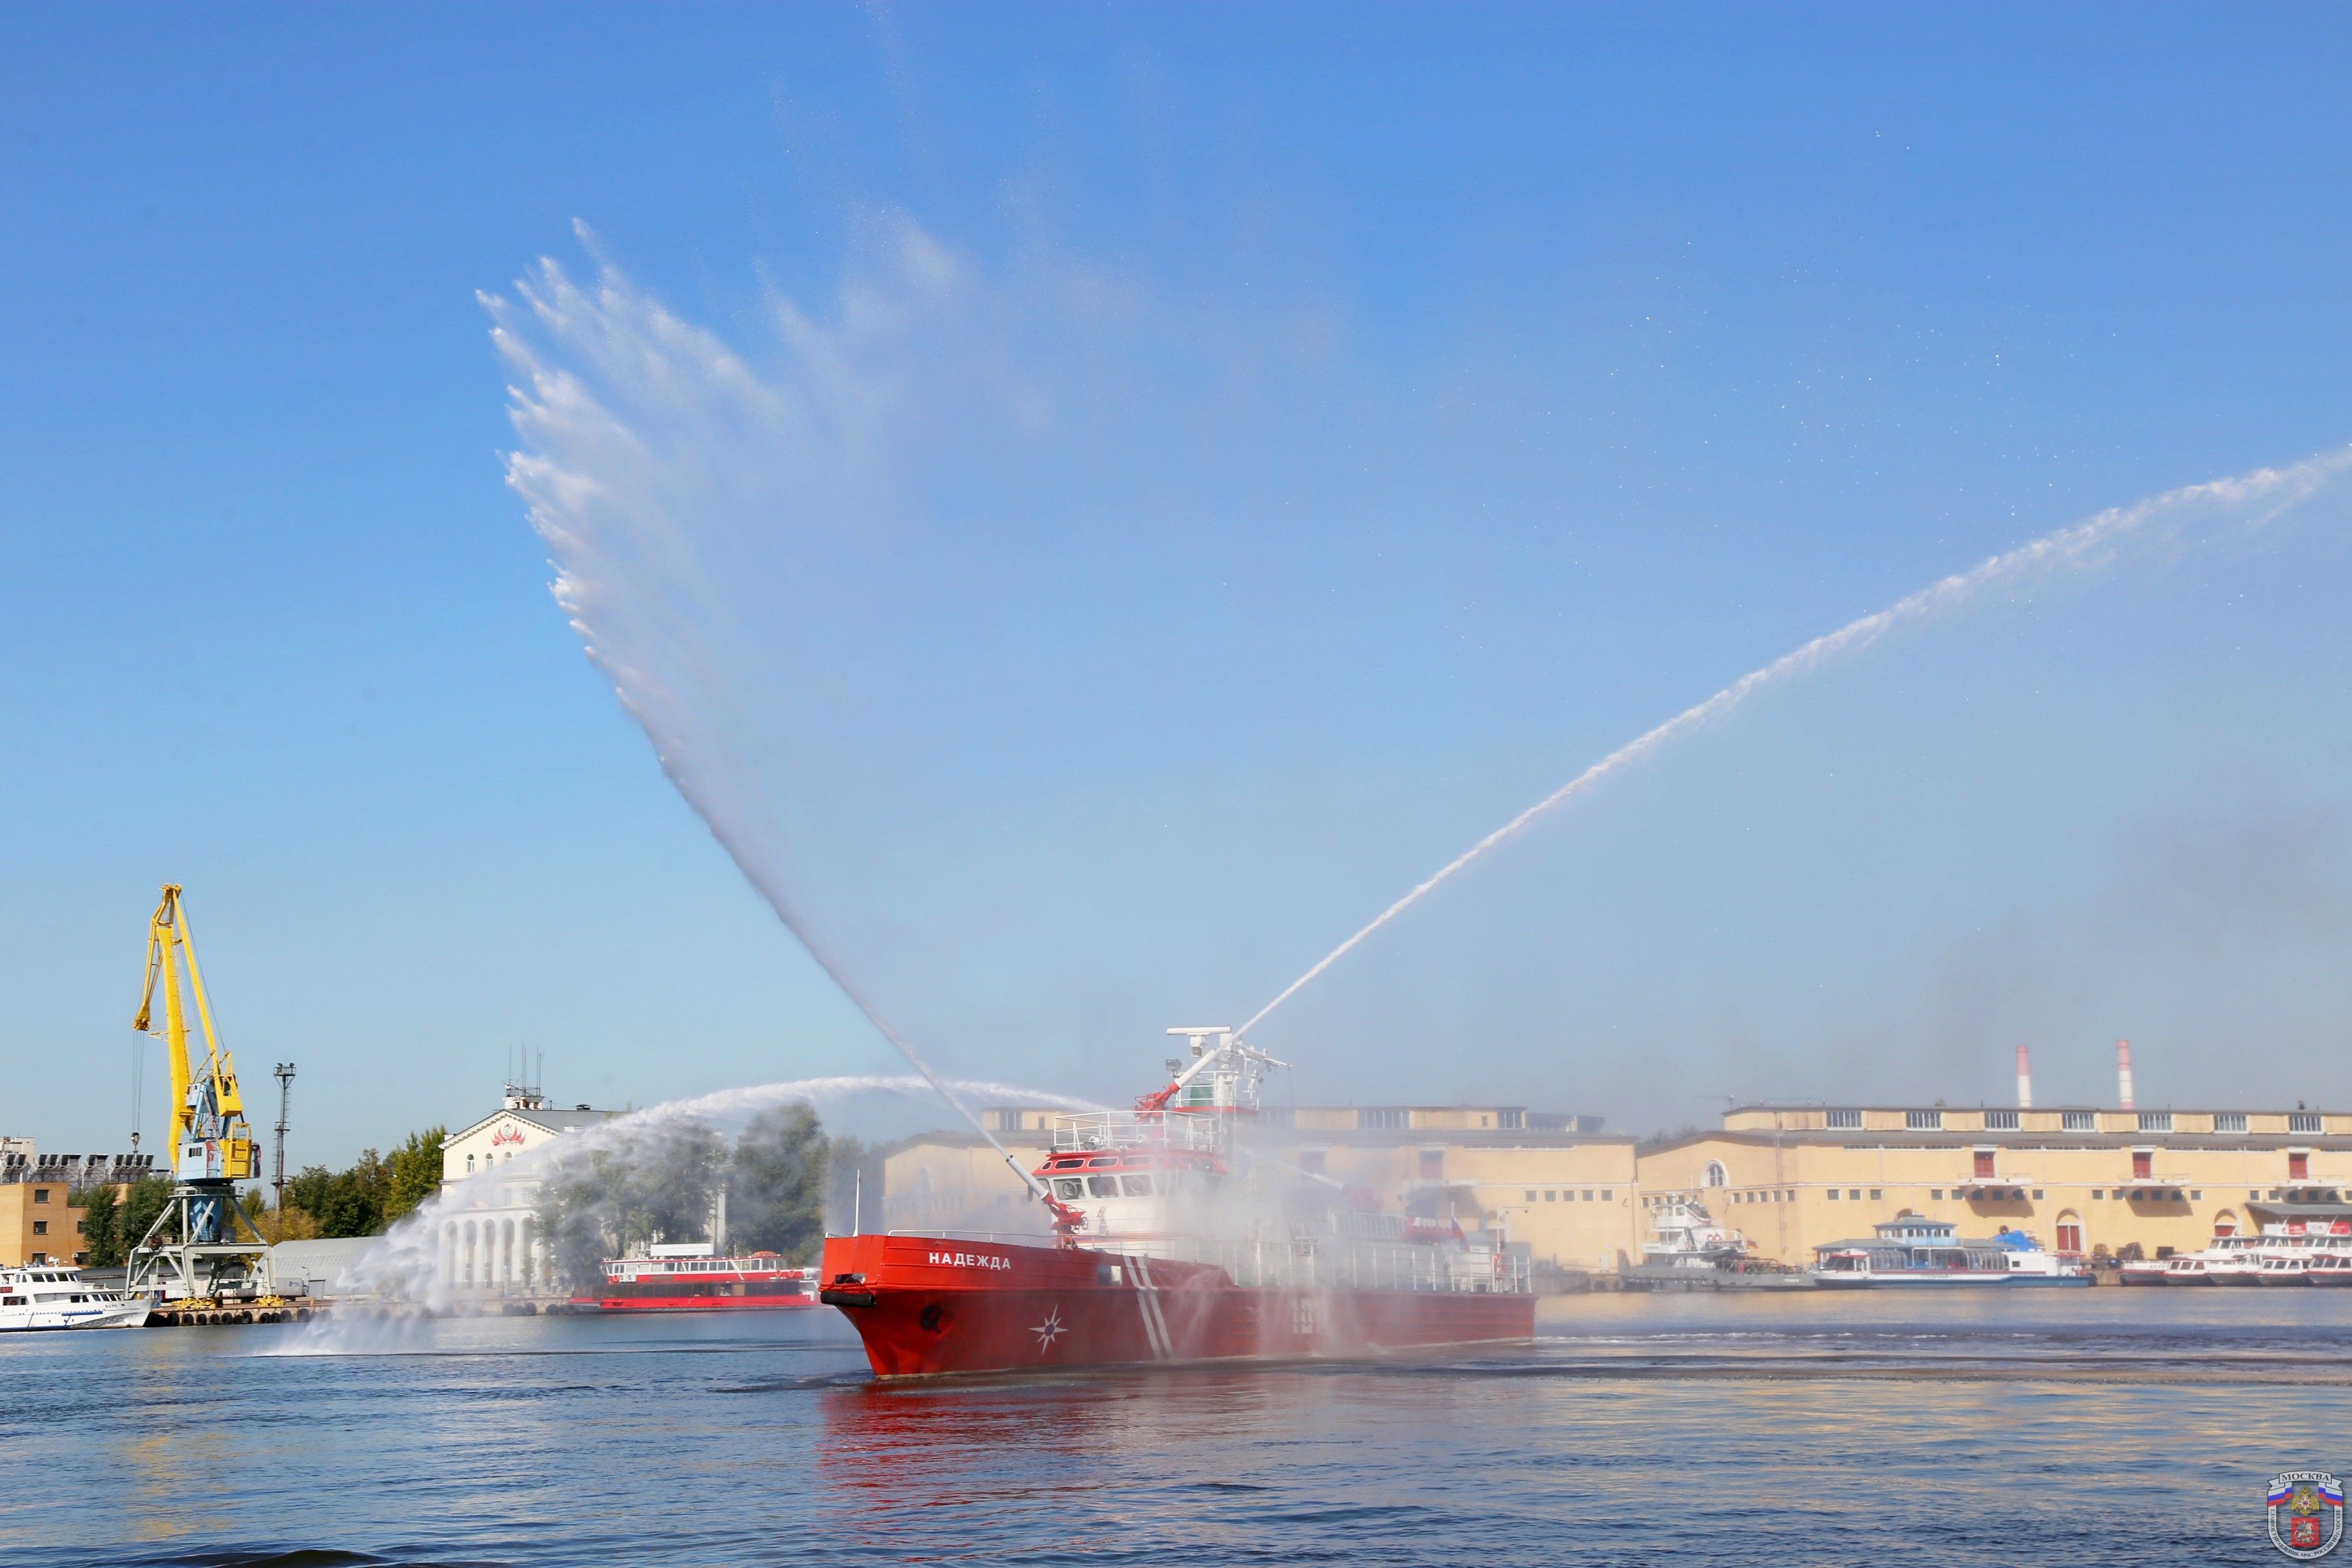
[1597, 358]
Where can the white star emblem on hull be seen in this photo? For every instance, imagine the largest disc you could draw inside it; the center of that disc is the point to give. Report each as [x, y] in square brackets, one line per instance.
[1049, 1330]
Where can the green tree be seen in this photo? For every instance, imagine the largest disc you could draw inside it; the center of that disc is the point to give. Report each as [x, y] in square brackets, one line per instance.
[344, 1203]
[415, 1171]
[775, 1184]
[99, 1210]
[306, 1189]
[141, 1202]
[600, 1199]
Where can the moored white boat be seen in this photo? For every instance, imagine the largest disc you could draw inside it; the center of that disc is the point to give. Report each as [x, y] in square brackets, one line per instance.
[2186, 1269]
[1688, 1250]
[1911, 1249]
[2330, 1268]
[2283, 1268]
[53, 1296]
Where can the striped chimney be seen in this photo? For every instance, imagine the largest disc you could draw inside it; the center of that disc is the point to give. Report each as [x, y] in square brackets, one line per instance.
[2024, 1082]
[2123, 1074]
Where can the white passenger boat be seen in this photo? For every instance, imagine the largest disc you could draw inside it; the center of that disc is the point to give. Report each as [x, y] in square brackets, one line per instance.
[2283, 1252]
[51, 1295]
[2186, 1269]
[2330, 1268]
[2282, 1268]
[1911, 1249]
[1689, 1250]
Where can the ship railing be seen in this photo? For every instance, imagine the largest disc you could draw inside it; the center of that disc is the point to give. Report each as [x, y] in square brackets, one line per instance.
[1302, 1265]
[1293, 1265]
[1099, 1130]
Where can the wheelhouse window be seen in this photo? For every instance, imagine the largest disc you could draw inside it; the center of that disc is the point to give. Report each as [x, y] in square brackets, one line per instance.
[1103, 1186]
[1135, 1186]
[1069, 1187]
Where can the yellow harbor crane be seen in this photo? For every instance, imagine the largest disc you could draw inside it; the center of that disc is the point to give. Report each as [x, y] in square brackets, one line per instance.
[202, 1245]
[209, 1135]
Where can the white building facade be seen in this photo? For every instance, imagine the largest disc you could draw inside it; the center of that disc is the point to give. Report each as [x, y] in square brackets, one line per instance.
[490, 1240]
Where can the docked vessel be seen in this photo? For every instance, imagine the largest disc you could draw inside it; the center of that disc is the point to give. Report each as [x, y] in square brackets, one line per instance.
[2186, 1269]
[692, 1279]
[48, 1296]
[1688, 1250]
[1911, 1249]
[1175, 1241]
[2309, 1243]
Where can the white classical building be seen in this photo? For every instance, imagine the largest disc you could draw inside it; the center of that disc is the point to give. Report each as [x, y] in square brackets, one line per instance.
[490, 1241]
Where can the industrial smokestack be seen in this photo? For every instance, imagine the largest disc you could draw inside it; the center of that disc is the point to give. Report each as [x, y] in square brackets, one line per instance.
[2024, 1082]
[2123, 1074]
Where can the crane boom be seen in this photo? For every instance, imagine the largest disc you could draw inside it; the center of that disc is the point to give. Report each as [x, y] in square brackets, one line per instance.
[209, 1135]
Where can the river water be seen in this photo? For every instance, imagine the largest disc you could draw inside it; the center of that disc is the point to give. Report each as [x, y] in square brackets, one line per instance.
[2000, 1427]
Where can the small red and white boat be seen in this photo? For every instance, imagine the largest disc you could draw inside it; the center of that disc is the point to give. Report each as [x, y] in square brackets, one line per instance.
[690, 1278]
[1173, 1243]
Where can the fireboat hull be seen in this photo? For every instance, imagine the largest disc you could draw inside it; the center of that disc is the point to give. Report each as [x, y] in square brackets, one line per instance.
[926, 1306]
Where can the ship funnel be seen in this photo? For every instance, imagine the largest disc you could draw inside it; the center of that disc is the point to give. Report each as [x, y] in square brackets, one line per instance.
[2123, 1075]
[2024, 1082]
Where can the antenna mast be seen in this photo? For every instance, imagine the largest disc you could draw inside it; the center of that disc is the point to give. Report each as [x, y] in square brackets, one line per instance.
[285, 1076]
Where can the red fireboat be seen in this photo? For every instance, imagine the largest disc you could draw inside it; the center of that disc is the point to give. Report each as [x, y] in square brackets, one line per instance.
[1177, 1238]
[692, 1279]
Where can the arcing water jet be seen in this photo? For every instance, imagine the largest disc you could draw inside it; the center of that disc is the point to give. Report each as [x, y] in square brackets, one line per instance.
[2248, 502]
